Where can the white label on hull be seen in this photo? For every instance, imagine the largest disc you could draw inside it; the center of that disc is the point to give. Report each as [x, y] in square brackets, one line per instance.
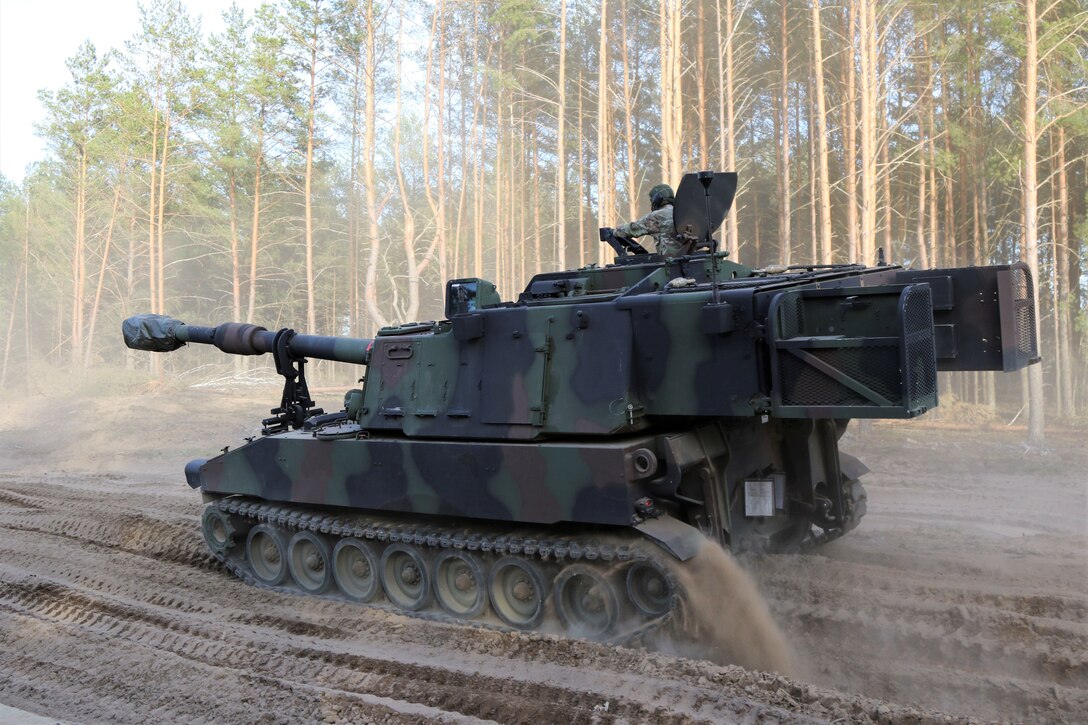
[759, 498]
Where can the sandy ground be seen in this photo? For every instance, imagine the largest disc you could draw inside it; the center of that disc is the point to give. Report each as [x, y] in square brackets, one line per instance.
[963, 595]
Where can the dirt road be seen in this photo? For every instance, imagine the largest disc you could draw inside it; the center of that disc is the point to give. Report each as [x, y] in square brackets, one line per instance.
[964, 591]
[966, 586]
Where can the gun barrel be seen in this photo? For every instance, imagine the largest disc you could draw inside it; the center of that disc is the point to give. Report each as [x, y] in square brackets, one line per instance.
[158, 333]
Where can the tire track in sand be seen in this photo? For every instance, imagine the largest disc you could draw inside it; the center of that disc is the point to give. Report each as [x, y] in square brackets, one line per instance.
[74, 603]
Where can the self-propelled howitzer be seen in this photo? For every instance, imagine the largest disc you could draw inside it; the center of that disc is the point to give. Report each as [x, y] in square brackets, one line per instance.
[566, 452]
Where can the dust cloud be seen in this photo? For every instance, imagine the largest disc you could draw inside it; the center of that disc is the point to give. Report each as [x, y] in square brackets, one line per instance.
[726, 617]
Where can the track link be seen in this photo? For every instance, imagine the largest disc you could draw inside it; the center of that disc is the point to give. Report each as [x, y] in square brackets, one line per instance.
[556, 557]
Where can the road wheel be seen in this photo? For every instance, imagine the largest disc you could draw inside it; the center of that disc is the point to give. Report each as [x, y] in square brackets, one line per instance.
[459, 584]
[856, 502]
[308, 558]
[405, 577]
[355, 568]
[649, 589]
[517, 592]
[586, 601]
[267, 554]
[219, 530]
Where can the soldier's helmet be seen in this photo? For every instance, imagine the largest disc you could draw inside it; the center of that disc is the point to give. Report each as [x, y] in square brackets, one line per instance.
[661, 195]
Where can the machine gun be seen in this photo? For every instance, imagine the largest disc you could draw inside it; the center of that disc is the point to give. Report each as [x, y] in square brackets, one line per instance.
[621, 244]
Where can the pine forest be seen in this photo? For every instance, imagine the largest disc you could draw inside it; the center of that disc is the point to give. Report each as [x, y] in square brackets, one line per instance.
[327, 164]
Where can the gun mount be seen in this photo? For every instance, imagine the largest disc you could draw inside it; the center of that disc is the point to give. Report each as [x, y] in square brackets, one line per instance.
[657, 399]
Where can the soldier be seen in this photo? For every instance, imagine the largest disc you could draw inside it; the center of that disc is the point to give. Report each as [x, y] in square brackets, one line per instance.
[658, 223]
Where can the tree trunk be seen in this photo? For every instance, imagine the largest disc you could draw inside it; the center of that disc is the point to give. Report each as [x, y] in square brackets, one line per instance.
[440, 132]
[408, 220]
[1065, 382]
[934, 246]
[538, 252]
[867, 33]
[730, 125]
[925, 97]
[130, 286]
[235, 261]
[514, 192]
[354, 213]
[785, 240]
[374, 310]
[813, 205]
[1036, 418]
[26, 281]
[499, 210]
[1055, 283]
[560, 145]
[525, 231]
[435, 199]
[605, 187]
[76, 332]
[989, 391]
[821, 118]
[582, 182]
[700, 86]
[478, 187]
[669, 42]
[628, 126]
[923, 250]
[464, 175]
[311, 112]
[850, 130]
[886, 202]
[102, 273]
[152, 265]
[161, 226]
[254, 232]
[11, 329]
[756, 259]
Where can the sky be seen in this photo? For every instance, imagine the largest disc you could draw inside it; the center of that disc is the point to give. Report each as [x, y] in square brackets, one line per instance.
[37, 36]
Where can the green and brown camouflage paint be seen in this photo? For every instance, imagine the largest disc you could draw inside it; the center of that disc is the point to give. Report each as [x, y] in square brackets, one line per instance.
[602, 387]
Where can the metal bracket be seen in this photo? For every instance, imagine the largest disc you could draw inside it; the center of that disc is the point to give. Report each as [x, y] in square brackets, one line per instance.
[295, 403]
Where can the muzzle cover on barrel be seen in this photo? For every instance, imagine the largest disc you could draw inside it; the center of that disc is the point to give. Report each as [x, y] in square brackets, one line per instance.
[151, 333]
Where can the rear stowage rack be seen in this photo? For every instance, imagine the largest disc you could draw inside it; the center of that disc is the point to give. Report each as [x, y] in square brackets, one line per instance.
[983, 317]
[1020, 307]
[857, 352]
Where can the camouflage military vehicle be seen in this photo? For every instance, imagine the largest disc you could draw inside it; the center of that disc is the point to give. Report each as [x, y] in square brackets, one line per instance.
[555, 460]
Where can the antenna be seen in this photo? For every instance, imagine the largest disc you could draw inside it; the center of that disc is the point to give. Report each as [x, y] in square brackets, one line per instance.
[706, 178]
[699, 218]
